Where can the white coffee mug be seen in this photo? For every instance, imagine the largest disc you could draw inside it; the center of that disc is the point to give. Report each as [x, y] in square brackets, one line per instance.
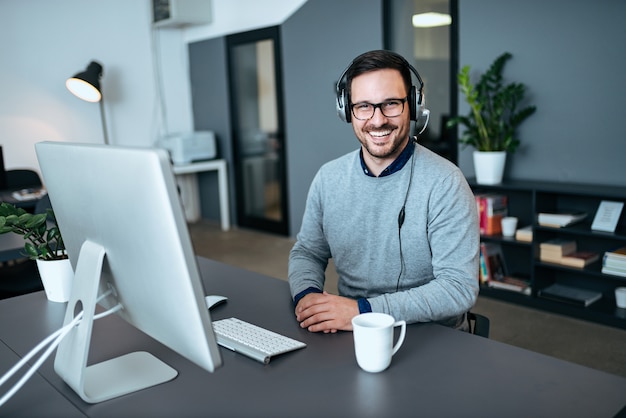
[509, 226]
[373, 340]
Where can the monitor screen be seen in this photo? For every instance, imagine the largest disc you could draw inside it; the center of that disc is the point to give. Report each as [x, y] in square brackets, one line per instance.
[124, 229]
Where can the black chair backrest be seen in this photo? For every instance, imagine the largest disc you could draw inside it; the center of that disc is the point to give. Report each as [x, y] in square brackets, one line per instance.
[479, 324]
[22, 179]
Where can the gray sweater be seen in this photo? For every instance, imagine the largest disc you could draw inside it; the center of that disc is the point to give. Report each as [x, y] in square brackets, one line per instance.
[353, 218]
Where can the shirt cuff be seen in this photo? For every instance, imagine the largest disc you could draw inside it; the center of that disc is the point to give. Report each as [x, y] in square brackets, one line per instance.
[364, 305]
[305, 292]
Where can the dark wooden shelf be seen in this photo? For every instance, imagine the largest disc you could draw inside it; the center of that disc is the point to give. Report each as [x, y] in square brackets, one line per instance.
[526, 200]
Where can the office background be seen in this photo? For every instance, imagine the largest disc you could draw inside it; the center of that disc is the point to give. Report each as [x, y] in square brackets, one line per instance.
[568, 52]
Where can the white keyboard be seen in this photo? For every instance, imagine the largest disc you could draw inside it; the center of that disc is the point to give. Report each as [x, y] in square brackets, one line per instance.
[255, 342]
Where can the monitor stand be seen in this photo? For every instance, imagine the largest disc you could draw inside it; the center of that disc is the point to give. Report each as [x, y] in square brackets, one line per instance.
[112, 378]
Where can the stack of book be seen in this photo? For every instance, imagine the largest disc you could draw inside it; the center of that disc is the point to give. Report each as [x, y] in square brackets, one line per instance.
[493, 271]
[563, 251]
[491, 209]
[614, 262]
[555, 249]
[560, 219]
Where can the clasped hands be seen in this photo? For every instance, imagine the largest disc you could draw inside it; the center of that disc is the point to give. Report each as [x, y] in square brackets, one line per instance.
[326, 312]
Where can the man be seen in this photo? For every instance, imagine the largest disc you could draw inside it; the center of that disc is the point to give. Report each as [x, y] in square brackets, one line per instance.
[399, 221]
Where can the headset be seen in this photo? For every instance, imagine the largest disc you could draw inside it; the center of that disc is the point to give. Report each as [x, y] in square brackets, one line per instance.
[416, 99]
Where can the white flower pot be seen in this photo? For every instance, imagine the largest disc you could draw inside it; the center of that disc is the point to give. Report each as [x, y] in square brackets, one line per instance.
[489, 166]
[56, 276]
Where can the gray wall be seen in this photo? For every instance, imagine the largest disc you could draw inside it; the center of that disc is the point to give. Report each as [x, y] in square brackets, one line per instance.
[318, 43]
[209, 95]
[571, 56]
[568, 53]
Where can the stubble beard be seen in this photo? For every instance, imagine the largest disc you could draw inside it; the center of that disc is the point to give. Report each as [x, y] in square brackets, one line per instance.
[382, 152]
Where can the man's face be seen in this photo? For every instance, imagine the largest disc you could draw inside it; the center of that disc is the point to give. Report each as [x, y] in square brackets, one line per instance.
[382, 138]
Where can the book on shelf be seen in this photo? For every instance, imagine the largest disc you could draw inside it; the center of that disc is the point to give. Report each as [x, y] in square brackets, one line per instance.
[483, 274]
[580, 258]
[491, 209]
[570, 294]
[614, 271]
[512, 283]
[560, 219]
[524, 234]
[618, 254]
[555, 249]
[493, 259]
[614, 263]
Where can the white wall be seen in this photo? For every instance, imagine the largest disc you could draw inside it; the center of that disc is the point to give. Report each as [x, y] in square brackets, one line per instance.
[44, 42]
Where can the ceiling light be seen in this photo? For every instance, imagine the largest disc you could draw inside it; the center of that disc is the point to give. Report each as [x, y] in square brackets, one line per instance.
[431, 20]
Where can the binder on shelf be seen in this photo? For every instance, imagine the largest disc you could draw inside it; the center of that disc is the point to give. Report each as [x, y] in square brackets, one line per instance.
[570, 294]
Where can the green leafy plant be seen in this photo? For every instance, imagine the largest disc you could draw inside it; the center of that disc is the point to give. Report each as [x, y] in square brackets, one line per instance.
[43, 241]
[494, 115]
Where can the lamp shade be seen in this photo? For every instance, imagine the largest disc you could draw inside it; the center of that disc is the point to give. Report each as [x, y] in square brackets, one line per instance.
[86, 85]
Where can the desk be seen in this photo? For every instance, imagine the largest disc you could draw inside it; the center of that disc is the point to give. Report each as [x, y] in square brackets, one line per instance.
[188, 183]
[27, 204]
[437, 372]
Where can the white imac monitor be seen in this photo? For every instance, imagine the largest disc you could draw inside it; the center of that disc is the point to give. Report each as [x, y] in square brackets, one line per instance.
[123, 226]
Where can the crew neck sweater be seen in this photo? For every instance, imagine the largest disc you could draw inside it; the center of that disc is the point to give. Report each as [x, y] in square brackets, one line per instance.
[426, 270]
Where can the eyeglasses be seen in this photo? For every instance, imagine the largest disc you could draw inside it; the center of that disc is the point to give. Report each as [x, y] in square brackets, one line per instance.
[389, 108]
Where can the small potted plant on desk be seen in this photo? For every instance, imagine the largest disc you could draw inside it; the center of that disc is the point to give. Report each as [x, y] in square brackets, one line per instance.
[490, 126]
[44, 244]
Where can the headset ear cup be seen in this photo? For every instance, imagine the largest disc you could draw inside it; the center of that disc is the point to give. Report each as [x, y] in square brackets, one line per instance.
[342, 108]
[346, 107]
[413, 101]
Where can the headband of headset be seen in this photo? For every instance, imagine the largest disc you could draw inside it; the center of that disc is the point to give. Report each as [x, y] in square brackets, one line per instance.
[415, 97]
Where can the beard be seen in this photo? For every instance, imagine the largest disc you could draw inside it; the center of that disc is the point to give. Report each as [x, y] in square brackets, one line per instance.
[391, 146]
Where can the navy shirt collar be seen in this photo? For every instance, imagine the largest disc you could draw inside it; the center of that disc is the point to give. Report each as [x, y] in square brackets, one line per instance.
[394, 166]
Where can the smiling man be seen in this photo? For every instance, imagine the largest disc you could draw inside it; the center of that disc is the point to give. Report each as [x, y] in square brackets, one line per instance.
[399, 221]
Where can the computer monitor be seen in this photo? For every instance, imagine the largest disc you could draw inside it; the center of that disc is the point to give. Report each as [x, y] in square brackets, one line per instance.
[122, 222]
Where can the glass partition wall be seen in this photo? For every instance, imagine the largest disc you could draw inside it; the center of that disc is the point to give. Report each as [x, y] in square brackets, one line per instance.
[433, 50]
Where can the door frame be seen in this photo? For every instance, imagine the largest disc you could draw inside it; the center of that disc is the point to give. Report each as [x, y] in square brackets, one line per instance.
[243, 219]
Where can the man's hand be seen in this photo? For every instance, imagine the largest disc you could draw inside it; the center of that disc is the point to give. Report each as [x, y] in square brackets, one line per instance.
[325, 312]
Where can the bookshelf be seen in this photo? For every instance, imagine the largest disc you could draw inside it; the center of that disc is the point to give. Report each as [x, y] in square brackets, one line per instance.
[528, 198]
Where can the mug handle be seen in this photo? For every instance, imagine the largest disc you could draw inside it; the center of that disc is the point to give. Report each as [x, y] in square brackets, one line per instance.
[402, 334]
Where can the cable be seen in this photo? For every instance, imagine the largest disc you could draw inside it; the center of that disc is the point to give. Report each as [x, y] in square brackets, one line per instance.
[54, 340]
[401, 217]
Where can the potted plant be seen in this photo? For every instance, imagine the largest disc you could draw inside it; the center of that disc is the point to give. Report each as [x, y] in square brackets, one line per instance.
[44, 244]
[493, 119]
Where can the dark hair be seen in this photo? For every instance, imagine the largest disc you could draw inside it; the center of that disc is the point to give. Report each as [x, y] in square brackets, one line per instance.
[378, 60]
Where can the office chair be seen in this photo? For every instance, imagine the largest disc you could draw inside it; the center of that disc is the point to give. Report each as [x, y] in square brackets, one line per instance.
[479, 324]
[22, 179]
[18, 278]
[21, 276]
